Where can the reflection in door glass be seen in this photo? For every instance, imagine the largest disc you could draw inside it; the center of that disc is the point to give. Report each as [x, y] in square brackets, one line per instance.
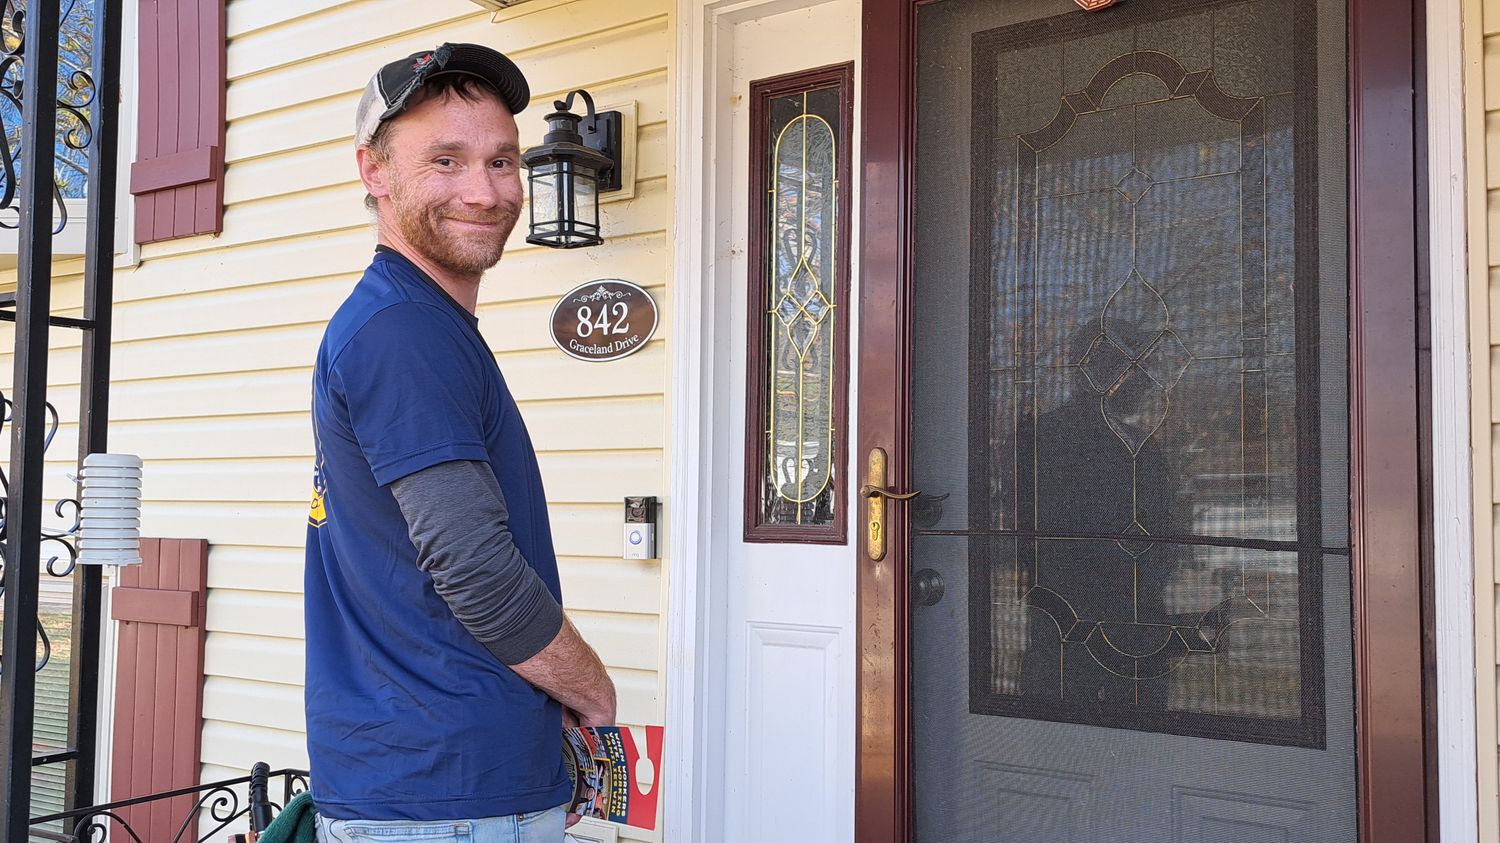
[1138, 305]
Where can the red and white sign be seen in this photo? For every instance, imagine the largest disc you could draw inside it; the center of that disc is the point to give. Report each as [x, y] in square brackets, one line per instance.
[616, 772]
[1094, 5]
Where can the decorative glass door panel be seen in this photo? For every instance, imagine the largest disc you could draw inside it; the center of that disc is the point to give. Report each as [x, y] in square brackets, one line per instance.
[1130, 423]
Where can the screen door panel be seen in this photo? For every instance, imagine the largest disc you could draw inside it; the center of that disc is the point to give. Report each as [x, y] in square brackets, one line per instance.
[1139, 282]
[1134, 449]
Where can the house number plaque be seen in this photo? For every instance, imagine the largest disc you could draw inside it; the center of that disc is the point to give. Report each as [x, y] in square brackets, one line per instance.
[604, 320]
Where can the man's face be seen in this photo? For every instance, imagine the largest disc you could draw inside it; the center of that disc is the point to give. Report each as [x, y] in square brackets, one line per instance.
[453, 180]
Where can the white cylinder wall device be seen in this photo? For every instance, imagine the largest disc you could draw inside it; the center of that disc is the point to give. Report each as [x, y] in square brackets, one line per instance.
[110, 510]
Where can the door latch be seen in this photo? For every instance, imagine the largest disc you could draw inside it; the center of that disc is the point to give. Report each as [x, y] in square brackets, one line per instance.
[876, 494]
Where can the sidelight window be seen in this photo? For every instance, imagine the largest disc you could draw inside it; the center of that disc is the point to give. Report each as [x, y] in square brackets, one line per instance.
[798, 294]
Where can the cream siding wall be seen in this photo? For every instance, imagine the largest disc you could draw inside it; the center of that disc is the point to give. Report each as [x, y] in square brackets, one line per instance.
[1482, 104]
[215, 337]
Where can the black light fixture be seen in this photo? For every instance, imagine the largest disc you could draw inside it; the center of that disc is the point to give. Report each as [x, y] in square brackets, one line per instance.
[578, 159]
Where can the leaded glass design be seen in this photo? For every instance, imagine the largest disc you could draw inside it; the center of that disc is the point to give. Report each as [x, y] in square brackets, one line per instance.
[800, 307]
[1147, 482]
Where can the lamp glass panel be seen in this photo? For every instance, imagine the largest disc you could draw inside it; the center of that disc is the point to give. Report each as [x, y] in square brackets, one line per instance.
[545, 207]
[585, 198]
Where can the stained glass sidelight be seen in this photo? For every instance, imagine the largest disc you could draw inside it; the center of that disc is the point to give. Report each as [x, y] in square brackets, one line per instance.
[797, 300]
[1145, 381]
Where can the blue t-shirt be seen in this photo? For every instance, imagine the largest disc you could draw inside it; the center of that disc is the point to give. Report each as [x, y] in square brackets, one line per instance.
[408, 715]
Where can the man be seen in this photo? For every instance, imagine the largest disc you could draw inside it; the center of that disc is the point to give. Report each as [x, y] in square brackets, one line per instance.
[439, 663]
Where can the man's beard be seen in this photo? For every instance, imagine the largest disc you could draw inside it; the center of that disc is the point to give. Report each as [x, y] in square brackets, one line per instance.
[468, 253]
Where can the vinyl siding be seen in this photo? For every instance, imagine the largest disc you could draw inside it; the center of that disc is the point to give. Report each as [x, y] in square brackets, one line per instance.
[214, 337]
[1482, 45]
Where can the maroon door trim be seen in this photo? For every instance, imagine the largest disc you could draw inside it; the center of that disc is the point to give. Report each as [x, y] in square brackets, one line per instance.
[882, 792]
[1384, 457]
[1388, 562]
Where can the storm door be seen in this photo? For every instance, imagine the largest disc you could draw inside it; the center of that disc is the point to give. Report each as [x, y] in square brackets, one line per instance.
[1129, 567]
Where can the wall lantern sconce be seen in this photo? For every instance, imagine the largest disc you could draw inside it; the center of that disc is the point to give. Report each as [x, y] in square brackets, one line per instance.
[578, 159]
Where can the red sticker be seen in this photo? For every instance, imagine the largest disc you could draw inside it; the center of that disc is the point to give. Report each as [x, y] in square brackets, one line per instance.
[1094, 5]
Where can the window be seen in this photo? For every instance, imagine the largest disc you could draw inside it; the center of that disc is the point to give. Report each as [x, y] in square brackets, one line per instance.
[76, 92]
[797, 406]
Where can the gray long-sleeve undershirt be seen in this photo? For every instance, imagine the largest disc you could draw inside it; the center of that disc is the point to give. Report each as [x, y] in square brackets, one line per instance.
[456, 516]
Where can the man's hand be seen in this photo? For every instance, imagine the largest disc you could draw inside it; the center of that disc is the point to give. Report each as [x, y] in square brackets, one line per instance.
[570, 671]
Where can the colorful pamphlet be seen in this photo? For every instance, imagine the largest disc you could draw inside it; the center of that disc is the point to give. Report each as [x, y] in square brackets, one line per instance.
[616, 772]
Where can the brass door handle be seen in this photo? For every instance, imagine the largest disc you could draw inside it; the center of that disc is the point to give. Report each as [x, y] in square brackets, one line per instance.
[876, 494]
[868, 491]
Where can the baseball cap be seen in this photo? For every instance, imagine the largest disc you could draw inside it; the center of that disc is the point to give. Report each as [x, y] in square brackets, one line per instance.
[388, 91]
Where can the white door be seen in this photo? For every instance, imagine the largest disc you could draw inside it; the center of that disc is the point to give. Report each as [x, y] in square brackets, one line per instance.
[788, 640]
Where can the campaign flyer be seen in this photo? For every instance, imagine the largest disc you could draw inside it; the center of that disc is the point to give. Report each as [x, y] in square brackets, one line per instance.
[616, 772]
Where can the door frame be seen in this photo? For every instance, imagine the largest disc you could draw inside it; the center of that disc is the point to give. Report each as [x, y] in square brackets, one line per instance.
[1385, 456]
[704, 503]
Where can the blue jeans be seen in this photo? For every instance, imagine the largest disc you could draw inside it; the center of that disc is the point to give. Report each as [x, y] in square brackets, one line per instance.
[535, 827]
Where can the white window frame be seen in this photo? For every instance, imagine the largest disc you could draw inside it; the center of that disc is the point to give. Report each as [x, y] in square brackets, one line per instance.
[71, 242]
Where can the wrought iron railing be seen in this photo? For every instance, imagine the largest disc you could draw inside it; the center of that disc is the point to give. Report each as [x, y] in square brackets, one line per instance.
[218, 803]
[59, 128]
[55, 692]
[62, 541]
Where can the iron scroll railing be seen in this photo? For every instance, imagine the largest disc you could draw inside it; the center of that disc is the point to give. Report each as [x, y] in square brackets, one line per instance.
[30, 34]
[219, 803]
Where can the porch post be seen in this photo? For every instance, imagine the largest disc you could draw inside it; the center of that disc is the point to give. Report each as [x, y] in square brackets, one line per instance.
[23, 505]
[93, 408]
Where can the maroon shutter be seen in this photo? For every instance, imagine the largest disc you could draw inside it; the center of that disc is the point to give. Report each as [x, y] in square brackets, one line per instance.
[159, 683]
[178, 175]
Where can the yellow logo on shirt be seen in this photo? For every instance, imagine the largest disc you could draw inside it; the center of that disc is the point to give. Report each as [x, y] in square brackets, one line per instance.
[318, 516]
